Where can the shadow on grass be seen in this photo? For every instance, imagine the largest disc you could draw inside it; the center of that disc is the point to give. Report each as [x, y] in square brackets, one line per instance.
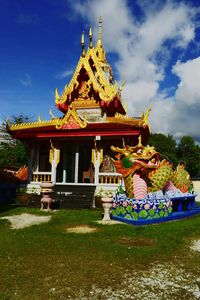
[9, 206]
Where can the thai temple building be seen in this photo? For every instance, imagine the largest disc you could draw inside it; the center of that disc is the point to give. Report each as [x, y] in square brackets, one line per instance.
[75, 149]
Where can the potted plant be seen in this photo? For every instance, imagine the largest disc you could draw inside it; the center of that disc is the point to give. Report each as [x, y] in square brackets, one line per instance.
[106, 197]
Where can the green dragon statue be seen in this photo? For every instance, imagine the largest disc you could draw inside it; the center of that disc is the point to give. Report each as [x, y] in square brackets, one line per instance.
[144, 172]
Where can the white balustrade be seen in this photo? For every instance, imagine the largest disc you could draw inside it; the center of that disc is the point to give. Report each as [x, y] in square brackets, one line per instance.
[41, 176]
[110, 178]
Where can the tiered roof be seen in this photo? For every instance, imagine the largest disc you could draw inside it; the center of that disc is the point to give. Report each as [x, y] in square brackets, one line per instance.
[91, 102]
[92, 84]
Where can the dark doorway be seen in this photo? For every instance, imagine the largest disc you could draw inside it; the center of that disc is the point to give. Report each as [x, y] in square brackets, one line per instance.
[86, 169]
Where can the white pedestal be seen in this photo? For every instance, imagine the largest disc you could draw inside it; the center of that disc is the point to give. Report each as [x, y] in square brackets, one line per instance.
[107, 204]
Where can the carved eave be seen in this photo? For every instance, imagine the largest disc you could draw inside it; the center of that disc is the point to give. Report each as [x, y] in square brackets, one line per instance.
[120, 119]
[71, 120]
[37, 124]
[142, 121]
[97, 80]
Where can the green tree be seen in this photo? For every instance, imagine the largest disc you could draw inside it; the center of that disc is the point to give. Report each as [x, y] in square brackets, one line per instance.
[13, 152]
[21, 118]
[189, 152]
[165, 145]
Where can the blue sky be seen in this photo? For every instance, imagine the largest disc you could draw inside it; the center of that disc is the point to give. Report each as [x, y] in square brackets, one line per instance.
[154, 47]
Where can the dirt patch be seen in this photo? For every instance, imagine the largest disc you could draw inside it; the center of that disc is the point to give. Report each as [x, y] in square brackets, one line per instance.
[26, 220]
[81, 229]
[160, 281]
[195, 245]
[110, 222]
[136, 242]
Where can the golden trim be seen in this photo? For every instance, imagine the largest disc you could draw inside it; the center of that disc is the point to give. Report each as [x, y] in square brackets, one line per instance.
[58, 123]
[99, 73]
[90, 37]
[85, 103]
[100, 83]
[101, 156]
[123, 120]
[58, 156]
[51, 152]
[145, 118]
[34, 124]
[93, 156]
[71, 113]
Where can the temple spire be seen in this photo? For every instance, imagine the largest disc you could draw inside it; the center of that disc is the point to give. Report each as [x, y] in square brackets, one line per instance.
[83, 44]
[90, 37]
[99, 42]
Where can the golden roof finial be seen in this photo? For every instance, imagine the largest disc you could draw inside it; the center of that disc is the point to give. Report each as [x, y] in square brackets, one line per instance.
[57, 97]
[83, 44]
[126, 106]
[90, 37]
[122, 85]
[99, 42]
[145, 117]
[51, 114]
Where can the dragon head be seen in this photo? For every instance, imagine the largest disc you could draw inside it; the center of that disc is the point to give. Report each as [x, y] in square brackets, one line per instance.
[147, 157]
[134, 158]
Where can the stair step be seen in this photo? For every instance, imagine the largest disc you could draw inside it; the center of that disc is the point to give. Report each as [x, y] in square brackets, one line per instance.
[68, 197]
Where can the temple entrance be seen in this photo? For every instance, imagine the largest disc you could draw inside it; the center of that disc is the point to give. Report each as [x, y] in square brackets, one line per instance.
[66, 167]
[69, 164]
[72, 163]
[85, 167]
[75, 164]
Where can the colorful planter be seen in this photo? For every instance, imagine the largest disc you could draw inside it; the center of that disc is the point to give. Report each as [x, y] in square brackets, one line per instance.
[154, 209]
[134, 209]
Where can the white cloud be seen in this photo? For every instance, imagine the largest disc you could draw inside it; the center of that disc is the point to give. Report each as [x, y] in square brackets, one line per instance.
[180, 114]
[26, 81]
[139, 94]
[63, 74]
[188, 34]
[144, 48]
[188, 91]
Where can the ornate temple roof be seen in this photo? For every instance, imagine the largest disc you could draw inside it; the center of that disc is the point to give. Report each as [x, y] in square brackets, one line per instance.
[92, 84]
[91, 102]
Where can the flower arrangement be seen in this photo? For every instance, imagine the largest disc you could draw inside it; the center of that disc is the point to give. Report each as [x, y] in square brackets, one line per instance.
[105, 193]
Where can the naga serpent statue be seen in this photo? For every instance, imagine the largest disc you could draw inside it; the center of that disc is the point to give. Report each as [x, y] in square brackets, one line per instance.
[144, 172]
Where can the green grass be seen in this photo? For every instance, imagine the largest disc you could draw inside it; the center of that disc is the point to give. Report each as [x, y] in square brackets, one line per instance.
[36, 259]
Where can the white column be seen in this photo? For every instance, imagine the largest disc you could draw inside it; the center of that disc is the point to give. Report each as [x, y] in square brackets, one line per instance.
[96, 167]
[76, 163]
[54, 165]
[97, 161]
[64, 166]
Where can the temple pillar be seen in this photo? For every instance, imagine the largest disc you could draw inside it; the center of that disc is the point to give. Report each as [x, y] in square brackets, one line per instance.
[96, 168]
[76, 163]
[54, 163]
[97, 157]
[64, 167]
[97, 163]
